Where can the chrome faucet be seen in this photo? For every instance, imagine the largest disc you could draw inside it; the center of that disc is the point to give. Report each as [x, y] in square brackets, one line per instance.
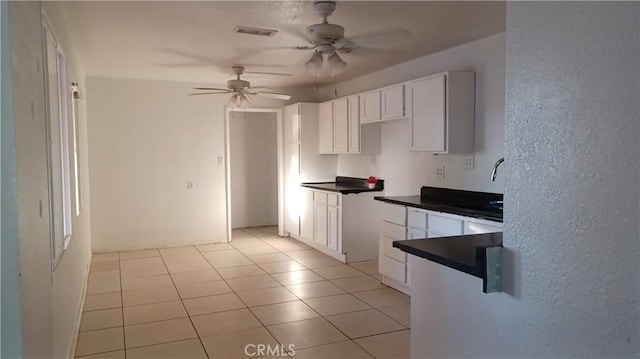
[494, 172]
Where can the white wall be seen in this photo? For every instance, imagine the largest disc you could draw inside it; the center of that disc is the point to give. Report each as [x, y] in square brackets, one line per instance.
[147, 139]
[572, 193]
[254, 169]
[69, 280]
[404, 171]
[50, 302]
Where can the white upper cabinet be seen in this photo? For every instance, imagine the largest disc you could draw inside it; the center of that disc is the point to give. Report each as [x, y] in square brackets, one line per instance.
[341, 125]
[325, 127]
[340, 131]
[392, 102]
[354, 124]
[370, 107]
[441, 110]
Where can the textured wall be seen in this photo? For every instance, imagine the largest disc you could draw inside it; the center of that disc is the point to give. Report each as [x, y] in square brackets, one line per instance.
[572, 192]
[31, 178]
[571, 234]
[11, 311]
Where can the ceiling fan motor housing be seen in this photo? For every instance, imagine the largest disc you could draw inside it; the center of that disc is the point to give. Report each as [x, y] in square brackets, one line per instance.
[237, 84]
[320, 34]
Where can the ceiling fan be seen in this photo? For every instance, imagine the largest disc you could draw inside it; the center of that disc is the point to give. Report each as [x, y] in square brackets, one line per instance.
[240, 91]
[328, 39]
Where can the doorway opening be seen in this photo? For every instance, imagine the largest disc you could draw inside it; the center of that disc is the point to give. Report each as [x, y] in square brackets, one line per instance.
[254, 172]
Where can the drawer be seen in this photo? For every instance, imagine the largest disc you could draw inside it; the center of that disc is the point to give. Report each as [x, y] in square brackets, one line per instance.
[399, 233]
[395, 214]
[416, 218]
[445, 225]
[481, 227]
[320, 197]
[392, 269]
[413, 233]
[333, 199]
[387, 249]
[307, 194]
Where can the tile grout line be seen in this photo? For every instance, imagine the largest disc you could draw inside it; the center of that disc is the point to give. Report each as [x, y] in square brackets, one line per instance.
[182, 301]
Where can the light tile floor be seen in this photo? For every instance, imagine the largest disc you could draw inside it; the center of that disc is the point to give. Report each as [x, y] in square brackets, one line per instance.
[212, 300]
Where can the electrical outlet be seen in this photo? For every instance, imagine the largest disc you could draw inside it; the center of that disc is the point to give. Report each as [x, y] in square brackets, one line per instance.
[440, 172]
[189, 184]
[468, 162]
[220, 160]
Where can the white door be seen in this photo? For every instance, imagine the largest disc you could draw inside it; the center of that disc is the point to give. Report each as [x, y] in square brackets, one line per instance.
[354, 124]
[292, 123]
[306, 220]
[326, 127]
[292, 195]
[333, 218]
[370, 107]
[341, 125]
[428, 114]
[393, 102]
[320, 214]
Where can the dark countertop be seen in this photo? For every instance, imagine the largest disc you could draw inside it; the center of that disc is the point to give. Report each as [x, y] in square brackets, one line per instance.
[345, 185]
[464, 203]
[464, 253]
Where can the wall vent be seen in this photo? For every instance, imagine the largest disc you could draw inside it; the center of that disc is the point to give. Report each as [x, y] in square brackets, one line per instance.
[254, 31]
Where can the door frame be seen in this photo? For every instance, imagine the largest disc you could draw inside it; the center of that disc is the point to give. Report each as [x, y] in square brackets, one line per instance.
[280, 154]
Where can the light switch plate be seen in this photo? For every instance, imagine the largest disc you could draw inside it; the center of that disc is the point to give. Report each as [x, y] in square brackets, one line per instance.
[440, 172]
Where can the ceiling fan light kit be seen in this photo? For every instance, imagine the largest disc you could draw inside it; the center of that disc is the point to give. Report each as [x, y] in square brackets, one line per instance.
[314, 65]
[240, 91]
[336, 64]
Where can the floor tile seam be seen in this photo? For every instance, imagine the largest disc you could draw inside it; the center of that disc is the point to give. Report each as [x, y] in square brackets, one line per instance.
[358, 299]
[185, 308]
[124, 339]
[390, 317]
[350, 276]
[373, 335]
[167, 342]
[326, 320]
[291, 321]
[349, 312]
[88, 355]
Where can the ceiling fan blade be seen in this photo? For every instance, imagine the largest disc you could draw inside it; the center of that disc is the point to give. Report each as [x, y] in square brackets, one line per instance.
[367, 51]
[388, 34]
[279, 96]
[210, 89]
[267, 73]
[208, 93]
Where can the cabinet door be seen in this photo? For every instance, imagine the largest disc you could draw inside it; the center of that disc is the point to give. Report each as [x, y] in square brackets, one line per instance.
[306, 220]
[321, 224]
[340, 125]
[326, 127]
[354, 124]
[370, 107]
[333, 228]
[393, 102]
[428, 114]
[292, 123]
[292, 188]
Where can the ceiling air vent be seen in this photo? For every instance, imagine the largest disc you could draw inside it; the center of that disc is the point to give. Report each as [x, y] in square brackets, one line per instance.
[254, 31]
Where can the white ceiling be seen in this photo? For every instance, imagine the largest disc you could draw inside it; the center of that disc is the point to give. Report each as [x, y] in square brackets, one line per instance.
[195, 41]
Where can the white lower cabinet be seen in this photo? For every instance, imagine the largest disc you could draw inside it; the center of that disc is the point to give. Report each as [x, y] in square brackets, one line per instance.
[342, 226]
[400, 223]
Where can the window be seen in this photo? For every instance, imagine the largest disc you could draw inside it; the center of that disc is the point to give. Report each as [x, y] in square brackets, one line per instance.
[75, 96]
[58, 144]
